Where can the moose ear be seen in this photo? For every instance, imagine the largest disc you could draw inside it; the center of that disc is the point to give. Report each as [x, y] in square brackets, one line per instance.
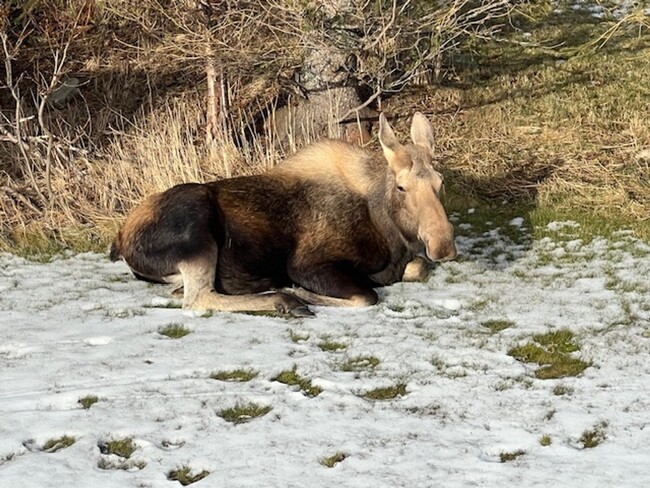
[393, 150]
[422, 132]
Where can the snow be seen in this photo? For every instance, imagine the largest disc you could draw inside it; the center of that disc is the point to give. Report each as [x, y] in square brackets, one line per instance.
[517, 222]
[616, 9]
[81, 325]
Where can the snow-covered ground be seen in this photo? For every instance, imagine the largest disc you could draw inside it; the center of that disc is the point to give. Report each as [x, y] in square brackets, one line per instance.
[82, 326]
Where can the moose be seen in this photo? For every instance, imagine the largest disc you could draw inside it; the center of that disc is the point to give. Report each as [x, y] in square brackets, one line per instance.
[324, 227]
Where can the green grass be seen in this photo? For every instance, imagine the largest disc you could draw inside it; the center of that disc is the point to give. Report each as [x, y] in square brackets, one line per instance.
[240, 375]
[562, 341]
[387, 393]
[331, 346]
[41, 247]
[292, 378]
[333, 460]
[235, 375]
[583, 95]
[245, 412]
[123, 448]
[88, 401]
[496, 326]
[360, 363]
[185, 477]
[545, 440]
[506, 457]
[58, 443]
[552, 352]
[174, 331]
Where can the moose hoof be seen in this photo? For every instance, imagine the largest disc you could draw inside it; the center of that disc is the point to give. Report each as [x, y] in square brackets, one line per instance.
[290, 305]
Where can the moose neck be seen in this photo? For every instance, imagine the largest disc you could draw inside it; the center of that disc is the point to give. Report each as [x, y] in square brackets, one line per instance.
[382, 207]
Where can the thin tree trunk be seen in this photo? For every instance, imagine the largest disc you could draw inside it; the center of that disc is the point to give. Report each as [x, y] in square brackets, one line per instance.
[212, 127]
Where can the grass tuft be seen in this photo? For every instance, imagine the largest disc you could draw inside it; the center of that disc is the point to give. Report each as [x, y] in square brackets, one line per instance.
[594, 437]
[126, 465]
[387, 393]
[496, 326]
[292, 378]
[331, 346]
[59, 443]
[185, 477]
[174, 331]
[360, 363]
[333, 460]
[551, 352]
[560, 341]
[88, 401]
[240, 375]
[545, 440]
[561, 390]
[242, 413]
[506, 457]
[123, 448]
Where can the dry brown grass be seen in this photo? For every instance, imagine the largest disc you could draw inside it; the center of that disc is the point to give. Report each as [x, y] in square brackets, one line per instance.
[151, 153]
[545, 118]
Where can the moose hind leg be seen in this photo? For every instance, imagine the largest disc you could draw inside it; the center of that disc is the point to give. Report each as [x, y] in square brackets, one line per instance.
[198, 292]
[332, 284]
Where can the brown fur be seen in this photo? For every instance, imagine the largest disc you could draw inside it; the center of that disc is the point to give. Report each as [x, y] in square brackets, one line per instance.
[332, 220]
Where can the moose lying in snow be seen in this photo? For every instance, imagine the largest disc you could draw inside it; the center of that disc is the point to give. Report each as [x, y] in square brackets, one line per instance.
[323, 228]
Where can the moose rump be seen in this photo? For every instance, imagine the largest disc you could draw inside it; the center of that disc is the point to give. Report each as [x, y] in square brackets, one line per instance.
[317, 229]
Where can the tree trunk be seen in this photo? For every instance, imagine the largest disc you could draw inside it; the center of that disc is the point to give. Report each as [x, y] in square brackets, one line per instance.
[330, 93]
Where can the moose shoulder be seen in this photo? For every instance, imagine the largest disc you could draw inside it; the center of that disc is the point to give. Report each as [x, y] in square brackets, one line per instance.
[322, 228]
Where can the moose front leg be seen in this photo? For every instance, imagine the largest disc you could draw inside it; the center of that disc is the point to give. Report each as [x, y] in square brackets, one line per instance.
[335, 284]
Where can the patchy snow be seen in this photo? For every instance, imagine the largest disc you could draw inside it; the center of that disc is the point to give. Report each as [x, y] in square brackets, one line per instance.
[83, 326]
[517, 222]
[616, 9]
